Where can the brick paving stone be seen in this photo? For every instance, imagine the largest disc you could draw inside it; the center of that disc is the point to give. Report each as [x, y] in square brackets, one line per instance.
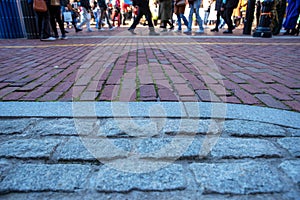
[166, 94]
[14, 96]
[184, 90]
[295, 105]
[207, 95]
[147, 91]
[245, 97]
[271, 101]
[50, 96]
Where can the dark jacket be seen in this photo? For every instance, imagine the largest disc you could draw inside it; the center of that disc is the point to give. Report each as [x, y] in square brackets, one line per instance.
[231, 4]
[141, 3]
[85, 4]
[102, 4]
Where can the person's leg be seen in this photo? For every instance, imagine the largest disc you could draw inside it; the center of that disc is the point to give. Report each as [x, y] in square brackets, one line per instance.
[179, 21]
[59, 21]
[84, 18]
[102, 11]
[137, 19]
[52, 20]
[190, 23]
[197, 4]
[107, 19]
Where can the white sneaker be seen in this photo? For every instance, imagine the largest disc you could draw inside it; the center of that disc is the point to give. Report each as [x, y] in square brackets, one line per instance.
[48, 39]
[112, 28]
[101, 29]
[90, 30]
[187, 31]
[176, 30]
[199, 31]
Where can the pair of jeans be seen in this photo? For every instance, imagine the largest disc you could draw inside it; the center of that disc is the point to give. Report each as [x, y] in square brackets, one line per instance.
[86, 19]
[195, 7]
[103, 14]
[179, 17]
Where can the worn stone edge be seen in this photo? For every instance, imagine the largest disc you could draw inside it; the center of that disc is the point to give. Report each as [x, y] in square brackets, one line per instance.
[139, 109]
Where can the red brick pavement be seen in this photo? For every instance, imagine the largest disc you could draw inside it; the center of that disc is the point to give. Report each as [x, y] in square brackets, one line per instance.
[243, 70]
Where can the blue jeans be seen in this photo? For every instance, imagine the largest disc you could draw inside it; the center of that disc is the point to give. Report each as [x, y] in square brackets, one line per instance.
[195, 7]
[179, 17]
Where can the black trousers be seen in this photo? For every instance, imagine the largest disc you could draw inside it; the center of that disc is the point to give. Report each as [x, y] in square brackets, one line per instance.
[227, 17]
[55, 16]
[142, 11]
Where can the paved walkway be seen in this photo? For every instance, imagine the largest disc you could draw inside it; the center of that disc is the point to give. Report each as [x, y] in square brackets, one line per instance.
[173, 67]
[113, 116]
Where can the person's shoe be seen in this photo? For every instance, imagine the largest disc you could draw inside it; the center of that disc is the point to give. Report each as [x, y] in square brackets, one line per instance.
[164, 30]
[66, 31]
[132, 31]
[176, 31]
[152, 31]
[56, 36]
[227, 32]
[112, 28]
[187, 31]
[214, 30]
[172, 27]
[48, 39]
[90, 30]
[101, 29]
[78, 29]
[199, 31]
[64, 37]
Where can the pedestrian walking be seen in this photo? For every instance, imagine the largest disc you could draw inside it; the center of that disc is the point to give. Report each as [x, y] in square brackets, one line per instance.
[43, 23]
[165, 14]
[55, 17]
[292, 15]
[143, 9]
[103, 14]
[227, 8]
[218, 7]
[86, 15]
[179, 8]
[194, 9]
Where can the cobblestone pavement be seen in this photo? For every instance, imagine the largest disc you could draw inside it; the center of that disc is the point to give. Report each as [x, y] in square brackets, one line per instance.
[175, 140]
[146, 158]
[172, 67]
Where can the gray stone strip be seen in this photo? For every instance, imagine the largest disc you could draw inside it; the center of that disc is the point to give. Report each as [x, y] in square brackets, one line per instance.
[151, 109]
[175, 36]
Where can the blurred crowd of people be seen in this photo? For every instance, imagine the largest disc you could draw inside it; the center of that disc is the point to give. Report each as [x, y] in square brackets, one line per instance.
[170, 15]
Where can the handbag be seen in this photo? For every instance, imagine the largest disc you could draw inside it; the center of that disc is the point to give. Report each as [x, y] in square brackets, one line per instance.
[39, 6]
[55, 3]
[180, 3]
[67, 16]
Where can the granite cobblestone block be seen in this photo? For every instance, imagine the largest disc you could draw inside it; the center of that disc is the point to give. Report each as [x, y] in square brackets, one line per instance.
[165, 179]
[237, 178]
[244, 128]
[291, 144]
[14, 126]
[28, 148]
[45, 177]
